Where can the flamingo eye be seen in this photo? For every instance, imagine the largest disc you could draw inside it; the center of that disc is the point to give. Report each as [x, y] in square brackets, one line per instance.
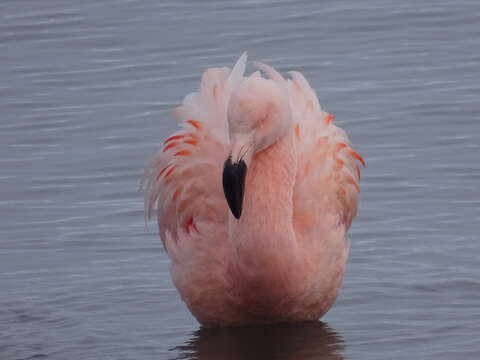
[262, 123]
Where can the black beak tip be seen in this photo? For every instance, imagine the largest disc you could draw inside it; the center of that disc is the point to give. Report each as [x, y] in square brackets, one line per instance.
[237, 214]
[234, 185]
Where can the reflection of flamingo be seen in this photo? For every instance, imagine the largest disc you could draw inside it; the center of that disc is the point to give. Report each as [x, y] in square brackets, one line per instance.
[309, 340]
[290, 179]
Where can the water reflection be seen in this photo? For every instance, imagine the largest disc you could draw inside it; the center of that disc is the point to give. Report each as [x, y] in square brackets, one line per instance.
[315, 340]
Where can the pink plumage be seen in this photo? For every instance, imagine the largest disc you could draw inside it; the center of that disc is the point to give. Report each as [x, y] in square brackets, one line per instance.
[276, 250]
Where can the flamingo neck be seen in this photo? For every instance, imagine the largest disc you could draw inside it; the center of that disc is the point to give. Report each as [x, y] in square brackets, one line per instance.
[263, 239]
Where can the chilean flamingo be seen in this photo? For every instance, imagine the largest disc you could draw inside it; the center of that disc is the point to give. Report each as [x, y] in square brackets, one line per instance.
[255, 194]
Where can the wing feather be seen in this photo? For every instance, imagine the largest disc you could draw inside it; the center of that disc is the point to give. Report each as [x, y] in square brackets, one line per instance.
[183, 181]
[327, 183]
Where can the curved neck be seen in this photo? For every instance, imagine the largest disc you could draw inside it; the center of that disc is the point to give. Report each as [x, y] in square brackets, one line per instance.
[264, 232]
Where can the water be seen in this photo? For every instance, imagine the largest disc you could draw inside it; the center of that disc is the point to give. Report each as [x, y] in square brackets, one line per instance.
[86, 89]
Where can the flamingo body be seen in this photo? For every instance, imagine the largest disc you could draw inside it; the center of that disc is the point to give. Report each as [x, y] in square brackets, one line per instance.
[279, 253]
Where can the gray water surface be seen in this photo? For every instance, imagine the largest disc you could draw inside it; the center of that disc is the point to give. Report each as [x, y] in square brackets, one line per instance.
[85, 93]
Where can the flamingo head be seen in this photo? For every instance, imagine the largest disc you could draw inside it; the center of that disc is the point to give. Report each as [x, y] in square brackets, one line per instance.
[258, 115]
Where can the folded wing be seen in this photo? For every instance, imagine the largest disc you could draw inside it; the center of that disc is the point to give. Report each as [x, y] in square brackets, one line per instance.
[328, 174]
[183, 181]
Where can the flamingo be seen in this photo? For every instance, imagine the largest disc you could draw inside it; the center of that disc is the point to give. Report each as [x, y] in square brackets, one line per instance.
[254, 195]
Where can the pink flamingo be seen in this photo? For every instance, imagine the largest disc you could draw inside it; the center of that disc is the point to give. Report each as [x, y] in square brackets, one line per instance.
[254, 195]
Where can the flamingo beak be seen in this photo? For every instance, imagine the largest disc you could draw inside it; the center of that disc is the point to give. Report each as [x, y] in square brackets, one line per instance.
[234, 174]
